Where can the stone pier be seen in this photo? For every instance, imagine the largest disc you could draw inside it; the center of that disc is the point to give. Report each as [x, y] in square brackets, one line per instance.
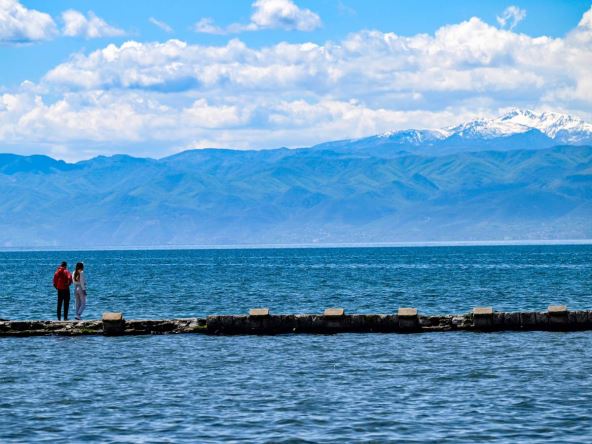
[333, 320]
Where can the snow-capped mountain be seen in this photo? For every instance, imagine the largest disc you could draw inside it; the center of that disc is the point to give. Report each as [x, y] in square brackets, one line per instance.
[561, 128]
[518, 129]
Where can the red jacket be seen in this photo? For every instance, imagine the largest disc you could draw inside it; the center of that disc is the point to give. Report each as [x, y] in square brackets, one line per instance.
[62, 279]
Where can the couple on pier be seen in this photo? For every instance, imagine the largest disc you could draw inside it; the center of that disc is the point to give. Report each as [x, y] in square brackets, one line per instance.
[62, 279]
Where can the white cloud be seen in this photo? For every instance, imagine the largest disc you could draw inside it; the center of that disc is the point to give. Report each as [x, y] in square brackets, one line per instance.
[511, 16]
[267, 14]
[150, 98]
[84, 123]
[283, 14]
[470, 58]
[206, 25]
[586, 21]
[77, 24]
[21, 25]
[160, 24]
[583, 32]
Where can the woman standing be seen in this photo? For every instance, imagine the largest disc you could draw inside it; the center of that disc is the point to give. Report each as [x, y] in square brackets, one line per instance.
[80, 289]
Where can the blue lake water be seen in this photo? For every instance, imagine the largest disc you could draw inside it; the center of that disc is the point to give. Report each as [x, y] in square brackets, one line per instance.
[440, 387]
[187, 283]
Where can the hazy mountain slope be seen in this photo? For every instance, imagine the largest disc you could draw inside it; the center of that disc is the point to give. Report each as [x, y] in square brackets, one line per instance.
[308, 195]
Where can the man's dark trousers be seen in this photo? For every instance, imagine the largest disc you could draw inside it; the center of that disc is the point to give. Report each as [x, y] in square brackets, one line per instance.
[63, 297]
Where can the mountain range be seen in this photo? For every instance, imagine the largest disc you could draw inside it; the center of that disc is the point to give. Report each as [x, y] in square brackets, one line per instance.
[519, 129]
[524, 175]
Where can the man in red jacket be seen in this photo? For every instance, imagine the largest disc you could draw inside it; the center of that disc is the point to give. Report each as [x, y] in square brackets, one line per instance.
[62, 279]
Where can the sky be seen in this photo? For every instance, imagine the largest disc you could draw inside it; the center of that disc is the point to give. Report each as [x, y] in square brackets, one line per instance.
[151, 78]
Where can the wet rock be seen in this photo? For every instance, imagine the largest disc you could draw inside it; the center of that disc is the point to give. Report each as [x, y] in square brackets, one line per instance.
[303, 323]
[528, 320]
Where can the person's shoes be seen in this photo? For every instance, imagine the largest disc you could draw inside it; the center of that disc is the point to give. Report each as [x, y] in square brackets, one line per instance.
[77, 318]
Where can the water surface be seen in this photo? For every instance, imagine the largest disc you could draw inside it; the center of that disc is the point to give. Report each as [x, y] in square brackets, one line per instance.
[439, 387]
[453, 387]
[186, 283]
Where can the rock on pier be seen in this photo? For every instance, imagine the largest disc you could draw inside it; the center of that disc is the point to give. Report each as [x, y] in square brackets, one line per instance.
[334, 320]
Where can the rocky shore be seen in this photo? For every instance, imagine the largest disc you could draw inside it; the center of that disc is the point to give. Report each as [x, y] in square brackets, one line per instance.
[334, 320]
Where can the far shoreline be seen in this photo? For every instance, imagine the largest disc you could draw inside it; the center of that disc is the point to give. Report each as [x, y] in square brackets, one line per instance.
[353, 245]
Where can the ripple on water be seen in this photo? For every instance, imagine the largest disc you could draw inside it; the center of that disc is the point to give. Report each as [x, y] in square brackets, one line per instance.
[186, 283]
[455, 387]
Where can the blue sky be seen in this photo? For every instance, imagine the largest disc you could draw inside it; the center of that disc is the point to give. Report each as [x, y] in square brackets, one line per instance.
[81, 78]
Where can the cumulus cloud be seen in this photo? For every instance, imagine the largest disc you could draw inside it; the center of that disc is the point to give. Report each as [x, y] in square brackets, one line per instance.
[583, 32]
[160, 24]
[283, 14]
[79, 123]
[76, 24]
[471, 58]
[21, 25]
[267, 14]
[159, 96]
[511, 16]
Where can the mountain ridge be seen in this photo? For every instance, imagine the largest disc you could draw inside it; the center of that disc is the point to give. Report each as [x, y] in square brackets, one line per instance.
[516, 129]
[497, 179]
[513, 130]
[286, 196]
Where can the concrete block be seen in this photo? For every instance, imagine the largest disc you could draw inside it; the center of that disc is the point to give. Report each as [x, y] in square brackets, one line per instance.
[483, 317]
[259, 312]
[408, 319]
[334, 312]
[483, 311]
[407, 312]
[113, 323]
[557, 310]
[112, 316]
[558, 316]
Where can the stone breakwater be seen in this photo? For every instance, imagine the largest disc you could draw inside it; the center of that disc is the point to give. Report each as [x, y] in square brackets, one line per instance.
[334, 320]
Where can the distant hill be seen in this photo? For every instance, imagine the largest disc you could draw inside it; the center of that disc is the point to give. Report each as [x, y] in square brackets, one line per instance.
[455, 185]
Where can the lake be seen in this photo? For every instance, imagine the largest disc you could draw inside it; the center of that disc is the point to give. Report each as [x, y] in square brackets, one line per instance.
[439, 387]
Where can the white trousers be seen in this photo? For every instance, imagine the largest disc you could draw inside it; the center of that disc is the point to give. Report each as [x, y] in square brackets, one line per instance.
[80, 302]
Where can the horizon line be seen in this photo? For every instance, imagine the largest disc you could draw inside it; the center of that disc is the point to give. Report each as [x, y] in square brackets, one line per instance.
[255, 246]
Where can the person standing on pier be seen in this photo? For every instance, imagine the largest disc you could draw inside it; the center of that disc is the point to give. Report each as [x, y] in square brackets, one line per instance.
[79, 290]
[62, 279]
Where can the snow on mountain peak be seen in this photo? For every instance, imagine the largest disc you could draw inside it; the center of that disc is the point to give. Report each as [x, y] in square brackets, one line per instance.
[560, 127]
[488, 129]
[549, 123]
